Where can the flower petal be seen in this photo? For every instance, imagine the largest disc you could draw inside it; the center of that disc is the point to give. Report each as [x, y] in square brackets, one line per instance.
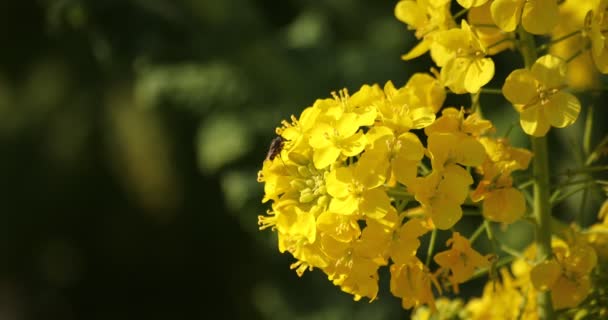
[550, 71]
[504, 205]
[540, 16]
[409, 12]
[479, 73]
[562, 109]
[520, 87]
[507, 13]
[533, 121]
[545, 274]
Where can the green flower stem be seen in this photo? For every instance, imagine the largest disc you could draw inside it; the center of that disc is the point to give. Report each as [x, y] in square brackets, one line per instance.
[429, 252]
[491, 91]
[542, 206]
[477, 233]
[399, 193]
[460, 13]
[583, 170]
[483, 272]
[557, 40]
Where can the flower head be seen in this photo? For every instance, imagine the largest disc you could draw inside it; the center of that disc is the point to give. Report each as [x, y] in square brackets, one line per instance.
[465, 67]
[461, 259]
[539, 97]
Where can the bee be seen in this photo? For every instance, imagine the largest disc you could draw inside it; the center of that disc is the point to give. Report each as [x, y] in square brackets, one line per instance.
[276, 145]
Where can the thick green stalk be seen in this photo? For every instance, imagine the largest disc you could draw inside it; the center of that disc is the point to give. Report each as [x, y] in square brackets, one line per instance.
[540, 165]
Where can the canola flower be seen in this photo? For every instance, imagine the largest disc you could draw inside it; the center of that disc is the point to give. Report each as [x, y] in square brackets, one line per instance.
[356, 181]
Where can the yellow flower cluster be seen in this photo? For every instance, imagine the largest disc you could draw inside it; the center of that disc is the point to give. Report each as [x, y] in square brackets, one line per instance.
[566, 276]
[357, 180]
[463, 53]
[350, 172]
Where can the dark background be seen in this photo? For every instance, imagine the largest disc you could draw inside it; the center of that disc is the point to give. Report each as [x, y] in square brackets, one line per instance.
[131, 132]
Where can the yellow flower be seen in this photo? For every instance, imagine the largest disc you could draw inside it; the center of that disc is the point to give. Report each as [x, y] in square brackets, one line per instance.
[410, 107]
[405, 241]
[343, 228]
[446, 148]
[453, 120]
[403, 152]
[426, 17]
[441, 193]
[538, 95]
[461, 259]
[597, 237]
[502, 300]
[501, 202]
[334, 138]
[567, 274]
[350, 267]
[357, 189]
[465, 67]
[599, 37]
[428, 90]
[582, 72]
[537, 16]
[334, 130]
[446, 309]
[412, 283]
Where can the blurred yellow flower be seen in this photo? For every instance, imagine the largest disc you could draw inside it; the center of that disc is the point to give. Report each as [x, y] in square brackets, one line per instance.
[412, 282]
[536, 16]
[567, 274]
[461, 259]
[599, 37]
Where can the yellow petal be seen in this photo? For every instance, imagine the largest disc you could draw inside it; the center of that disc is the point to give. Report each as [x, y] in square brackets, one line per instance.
[318, 135]
[540, 16]
[353, 145]
[471, 3]
[545, 274]
[454, 73]
[581, 260]
[340, 227]
[479, 73]
[323, 157]
[348, 205]
[411, 147]
[429, 90]
[409, 12]
[533, 122]
[422, 117]
[421, 48]
[507, 13]
[375, 204]
[504, 205]
[446, 44]
[455, 183]
[520, 87]
[337, 182]
[469, 152]
[405, 170]
[562, 109]
[568, 293]
[347, 125]
[445, 213]
[550, 71]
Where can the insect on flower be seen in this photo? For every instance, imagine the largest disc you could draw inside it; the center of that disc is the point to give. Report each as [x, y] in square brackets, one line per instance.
[276, 145]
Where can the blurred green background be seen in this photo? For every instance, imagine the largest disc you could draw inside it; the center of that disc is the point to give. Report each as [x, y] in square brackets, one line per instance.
[131, 132]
